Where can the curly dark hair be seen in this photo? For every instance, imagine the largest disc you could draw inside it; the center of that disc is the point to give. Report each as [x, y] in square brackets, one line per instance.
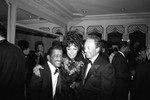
[23, 44]
[38, 43]
[73, 37]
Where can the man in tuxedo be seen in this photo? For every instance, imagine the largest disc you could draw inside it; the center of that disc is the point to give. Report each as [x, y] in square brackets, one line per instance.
[12, 69]
[99, 76]
[48, 85]
[122, 71]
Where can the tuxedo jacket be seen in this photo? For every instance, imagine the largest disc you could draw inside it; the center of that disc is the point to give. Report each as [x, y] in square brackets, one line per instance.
[100, 81]
[12, 72]
[123, 77]
[41, 87]
[120, 64]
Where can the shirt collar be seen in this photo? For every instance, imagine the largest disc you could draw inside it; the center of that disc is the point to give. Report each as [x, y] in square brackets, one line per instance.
[122, 53]
[94, 58]
[51, 66]
[2, 38]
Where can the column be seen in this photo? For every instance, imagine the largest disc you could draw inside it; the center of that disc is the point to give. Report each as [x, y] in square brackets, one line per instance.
[11, 23]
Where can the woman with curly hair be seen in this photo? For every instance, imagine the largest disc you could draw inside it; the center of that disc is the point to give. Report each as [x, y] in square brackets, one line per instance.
[73, 62]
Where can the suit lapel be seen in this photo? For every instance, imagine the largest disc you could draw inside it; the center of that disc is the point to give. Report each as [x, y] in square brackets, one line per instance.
[93, 69]
[48, 72]
[85, 69]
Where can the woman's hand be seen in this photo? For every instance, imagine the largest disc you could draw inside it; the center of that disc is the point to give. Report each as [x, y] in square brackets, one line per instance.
[36, 70]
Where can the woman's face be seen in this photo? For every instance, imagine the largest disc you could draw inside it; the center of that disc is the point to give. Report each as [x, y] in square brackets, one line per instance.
[72, 51]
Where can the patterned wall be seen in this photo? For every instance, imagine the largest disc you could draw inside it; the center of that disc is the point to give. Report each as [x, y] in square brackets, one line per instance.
[125, 31]
[97, 28]
[115, 28]
[138, 27]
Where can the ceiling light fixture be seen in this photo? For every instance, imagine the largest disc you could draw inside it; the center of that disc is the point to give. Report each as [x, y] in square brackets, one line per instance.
[83, 11]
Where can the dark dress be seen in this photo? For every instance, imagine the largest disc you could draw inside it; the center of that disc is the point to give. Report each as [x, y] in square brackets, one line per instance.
[70, 73]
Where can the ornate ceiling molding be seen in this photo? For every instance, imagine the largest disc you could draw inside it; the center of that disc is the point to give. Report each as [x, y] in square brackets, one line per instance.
[115, 16]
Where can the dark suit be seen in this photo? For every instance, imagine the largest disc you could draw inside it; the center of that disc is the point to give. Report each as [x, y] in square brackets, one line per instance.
[141, 82]
[100, 81]
[41, 87]
[12, 72]
[122, 76]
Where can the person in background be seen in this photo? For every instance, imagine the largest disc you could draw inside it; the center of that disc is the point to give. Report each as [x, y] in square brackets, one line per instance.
[114, 51]
[24, 46]
[122, 71]
[141, 55]
[29, 61]
[12, 69]
[104, 50]
[98, 80]
[48, 85]
[141, 80]
[39, 54]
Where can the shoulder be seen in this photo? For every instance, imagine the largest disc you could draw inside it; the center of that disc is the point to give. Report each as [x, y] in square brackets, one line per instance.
[105, 64]
[101, 60]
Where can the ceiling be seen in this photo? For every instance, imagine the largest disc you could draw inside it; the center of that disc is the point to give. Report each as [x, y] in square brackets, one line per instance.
[63, 11]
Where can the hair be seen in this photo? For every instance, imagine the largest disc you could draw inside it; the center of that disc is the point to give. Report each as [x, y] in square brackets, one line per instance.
[38, 43]
[2, 30]
[73, 37]
[23, 44]
[104, 44]
[56, 47]
[123, 44]
[95, 33]
[96, 39]
[56, 42]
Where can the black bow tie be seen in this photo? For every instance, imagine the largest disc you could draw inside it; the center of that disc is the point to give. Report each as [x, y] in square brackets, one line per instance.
[89, 61]
[56, 71]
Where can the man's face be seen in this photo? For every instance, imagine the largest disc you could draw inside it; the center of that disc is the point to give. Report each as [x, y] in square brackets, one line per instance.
[40, 48]
[27, 51]
[90, 48]
[56, 57]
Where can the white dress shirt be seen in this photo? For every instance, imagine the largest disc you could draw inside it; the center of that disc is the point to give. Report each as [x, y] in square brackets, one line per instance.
[54, 77]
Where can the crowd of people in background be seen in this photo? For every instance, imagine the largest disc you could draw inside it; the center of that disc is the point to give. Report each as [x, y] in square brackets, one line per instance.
[74, 69]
